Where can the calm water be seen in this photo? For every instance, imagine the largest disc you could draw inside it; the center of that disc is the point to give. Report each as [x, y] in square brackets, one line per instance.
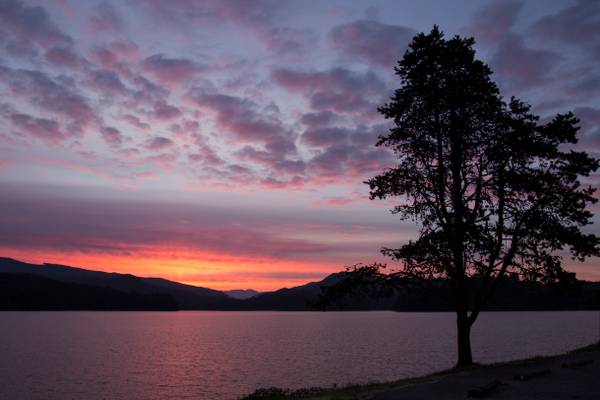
[221, 355]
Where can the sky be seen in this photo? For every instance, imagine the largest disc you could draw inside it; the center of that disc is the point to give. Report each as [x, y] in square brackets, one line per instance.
[225, 143]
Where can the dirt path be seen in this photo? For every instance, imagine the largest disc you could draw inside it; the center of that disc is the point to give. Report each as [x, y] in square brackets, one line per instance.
[545, 378]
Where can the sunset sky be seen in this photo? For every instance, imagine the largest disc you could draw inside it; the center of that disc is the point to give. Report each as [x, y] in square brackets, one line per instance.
[224, 143]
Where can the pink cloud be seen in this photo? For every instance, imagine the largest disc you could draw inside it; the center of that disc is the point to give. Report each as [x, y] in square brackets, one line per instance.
[337, 89]
[135, 121]
[342, 201]
[240, 117]
[164, 112]
[41, 128]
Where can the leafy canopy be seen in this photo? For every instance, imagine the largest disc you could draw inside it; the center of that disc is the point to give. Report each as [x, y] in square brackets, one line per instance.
[493, 190]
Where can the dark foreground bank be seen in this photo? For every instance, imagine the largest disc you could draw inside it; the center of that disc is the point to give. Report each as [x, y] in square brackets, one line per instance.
[574, 375]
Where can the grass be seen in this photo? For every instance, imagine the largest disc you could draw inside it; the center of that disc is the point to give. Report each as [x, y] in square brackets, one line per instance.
[361, 392]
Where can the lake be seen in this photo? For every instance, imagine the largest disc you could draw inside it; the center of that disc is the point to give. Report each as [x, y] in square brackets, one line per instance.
[222, 355]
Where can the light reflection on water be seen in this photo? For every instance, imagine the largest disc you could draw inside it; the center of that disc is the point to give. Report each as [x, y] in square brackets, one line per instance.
[220, 355]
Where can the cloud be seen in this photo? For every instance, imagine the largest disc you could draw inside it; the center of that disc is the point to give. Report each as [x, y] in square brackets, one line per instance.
[495, 20]
[240, 117]
[107, 83]
[164, 112]
[206, 155]
[159, 143]
[589, 136]
[106, 19]
[64, 58]
[171, 70]
[112, 136]
[259, 17]
[79, 224]
[336, 89]
[319, 119]
[115, 54]
[327, 136]
[346, 154]
[582, 84]
[335, 79]
[520, 67]
[59, 97]
[287, 41]
[135, 121]
[372, 41]
[41, 128]
[30, 25]
[342, 201]
[575, 25]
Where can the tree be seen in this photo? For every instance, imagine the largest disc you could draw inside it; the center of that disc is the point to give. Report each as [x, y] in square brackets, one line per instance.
[493, 191]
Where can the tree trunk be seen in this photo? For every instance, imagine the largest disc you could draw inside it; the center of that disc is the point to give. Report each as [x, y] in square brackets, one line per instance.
[465, 357]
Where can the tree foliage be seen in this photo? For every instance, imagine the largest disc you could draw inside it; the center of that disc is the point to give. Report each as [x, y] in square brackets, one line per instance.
[493, 190]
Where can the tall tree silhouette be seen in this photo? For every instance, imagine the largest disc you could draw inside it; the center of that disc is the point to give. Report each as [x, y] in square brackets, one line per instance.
[493, 190]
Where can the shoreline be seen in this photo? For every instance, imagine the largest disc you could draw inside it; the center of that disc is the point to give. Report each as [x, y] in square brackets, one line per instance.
[300, 311]
[574, 374]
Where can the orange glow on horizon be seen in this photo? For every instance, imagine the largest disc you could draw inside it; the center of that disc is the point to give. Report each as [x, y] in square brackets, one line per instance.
[211, 270]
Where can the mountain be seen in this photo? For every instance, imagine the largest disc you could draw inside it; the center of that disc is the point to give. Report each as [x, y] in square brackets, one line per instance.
[186, 296]
[241, 294]
[50, 286]
[35, 292]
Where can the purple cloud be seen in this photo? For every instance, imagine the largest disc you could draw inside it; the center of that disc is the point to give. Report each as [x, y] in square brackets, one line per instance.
[259, 17]
[337, 89]
[106, 19]
[346, 154]
[64, 58]
[135, 121]
[59, 97]
[170, 70]
[576, 25]
[30, 25]
[107, 83]
[372, 41]
[112, 136]
[115, 54]
[41, 128]
[159, 143]
[240, 117]
[164, 112]
[319, 118]
[521, 67]
[495, 20]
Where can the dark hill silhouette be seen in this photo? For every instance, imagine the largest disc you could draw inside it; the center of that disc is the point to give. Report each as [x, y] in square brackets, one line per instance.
[35, 292]
[51, 285]
[241, 294]
[186, 296]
